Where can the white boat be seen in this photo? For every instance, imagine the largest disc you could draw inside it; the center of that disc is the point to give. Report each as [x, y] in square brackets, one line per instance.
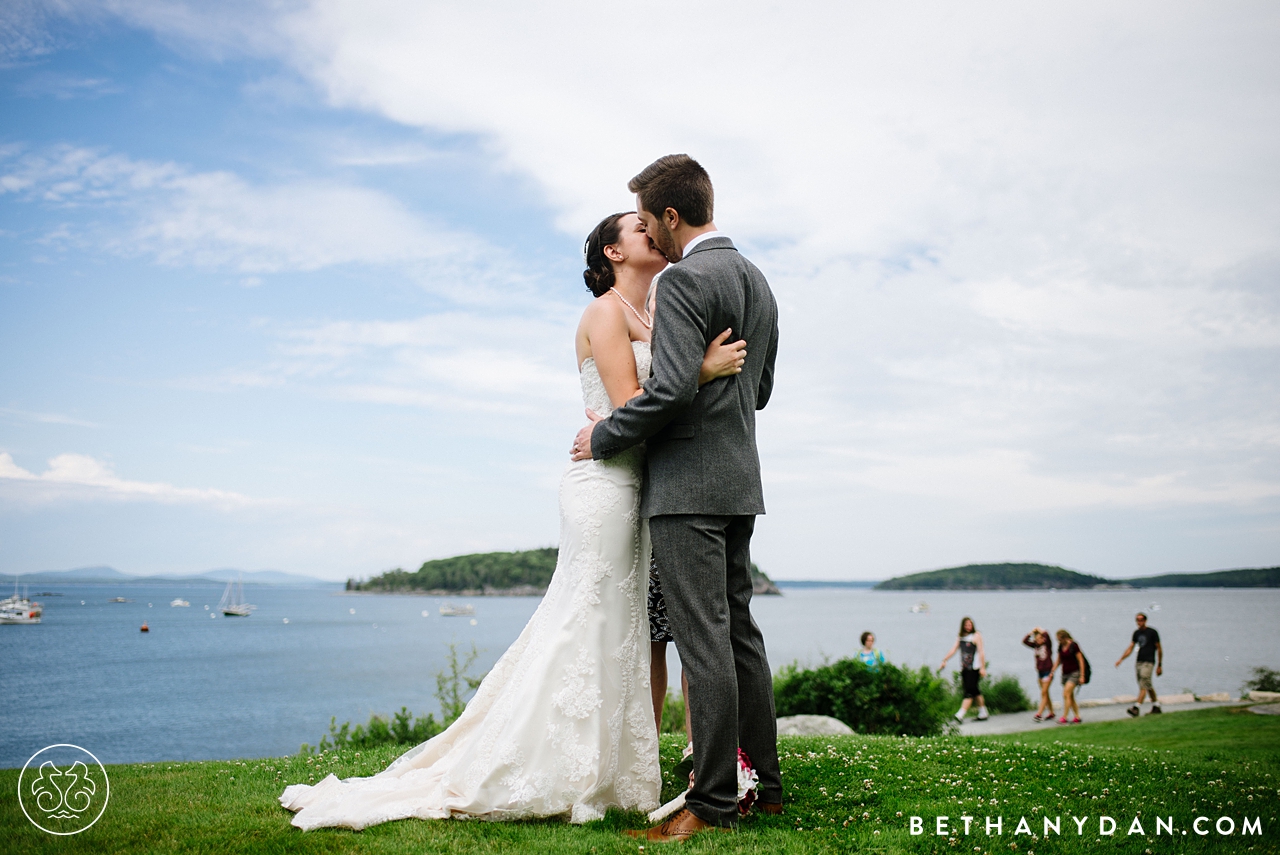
[179, 603]
[19, 609]
[232, 603]
[450, 610]
[920, 608]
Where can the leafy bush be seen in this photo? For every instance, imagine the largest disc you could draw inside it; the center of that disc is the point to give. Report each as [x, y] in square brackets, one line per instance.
[403, 728]
[1004, 694]
[888, 700]
[673, 714]
[1264, 680]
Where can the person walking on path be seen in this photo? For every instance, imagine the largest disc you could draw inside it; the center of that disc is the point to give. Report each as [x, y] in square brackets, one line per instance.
[1038, 640]
[973, 667]
[1150, 658]
[1071, 661]
[870, 655]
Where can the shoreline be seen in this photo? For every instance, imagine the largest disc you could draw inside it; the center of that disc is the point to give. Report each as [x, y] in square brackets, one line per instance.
[518, 591]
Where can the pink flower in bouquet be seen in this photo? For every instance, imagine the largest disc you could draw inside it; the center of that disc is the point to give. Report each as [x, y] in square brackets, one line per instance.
[748, 780]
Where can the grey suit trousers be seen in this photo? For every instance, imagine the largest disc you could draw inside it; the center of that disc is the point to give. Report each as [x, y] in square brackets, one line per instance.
[704, 564]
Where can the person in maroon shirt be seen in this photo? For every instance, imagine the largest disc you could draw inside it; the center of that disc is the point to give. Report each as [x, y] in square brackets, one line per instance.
[1038, 640]
[1071, 661]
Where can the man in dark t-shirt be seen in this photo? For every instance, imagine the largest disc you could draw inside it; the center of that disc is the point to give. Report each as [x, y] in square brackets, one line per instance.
[1150, 658]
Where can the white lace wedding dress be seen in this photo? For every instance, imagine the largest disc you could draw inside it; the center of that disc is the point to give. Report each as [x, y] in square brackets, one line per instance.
[563, 724]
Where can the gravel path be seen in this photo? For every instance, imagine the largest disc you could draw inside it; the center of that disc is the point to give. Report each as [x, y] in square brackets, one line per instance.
[1019, 722]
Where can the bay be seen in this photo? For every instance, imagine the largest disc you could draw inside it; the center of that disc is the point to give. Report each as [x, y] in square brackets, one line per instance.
[201, 687]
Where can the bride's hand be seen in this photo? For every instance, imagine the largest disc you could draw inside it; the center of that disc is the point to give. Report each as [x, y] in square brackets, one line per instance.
[722, 360]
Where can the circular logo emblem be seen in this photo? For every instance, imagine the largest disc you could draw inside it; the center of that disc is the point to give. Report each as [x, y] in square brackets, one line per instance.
[63, 789]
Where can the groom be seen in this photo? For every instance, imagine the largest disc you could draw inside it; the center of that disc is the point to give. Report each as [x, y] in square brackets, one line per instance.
[703, 490]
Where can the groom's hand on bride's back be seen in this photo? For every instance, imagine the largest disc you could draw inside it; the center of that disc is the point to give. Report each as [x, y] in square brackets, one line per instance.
[581, 449]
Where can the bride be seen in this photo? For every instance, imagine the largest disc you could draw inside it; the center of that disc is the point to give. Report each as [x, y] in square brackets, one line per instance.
[563, 724]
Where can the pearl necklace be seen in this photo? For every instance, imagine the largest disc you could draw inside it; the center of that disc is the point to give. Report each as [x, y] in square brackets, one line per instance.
[645, 319]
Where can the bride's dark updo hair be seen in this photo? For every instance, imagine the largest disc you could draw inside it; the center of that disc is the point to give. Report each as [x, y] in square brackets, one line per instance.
[599, 273]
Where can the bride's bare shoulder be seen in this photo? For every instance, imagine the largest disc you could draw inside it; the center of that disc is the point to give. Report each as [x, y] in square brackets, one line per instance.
[604, 314]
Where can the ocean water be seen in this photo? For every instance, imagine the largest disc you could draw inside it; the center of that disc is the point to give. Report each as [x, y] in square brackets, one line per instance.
[202, 687]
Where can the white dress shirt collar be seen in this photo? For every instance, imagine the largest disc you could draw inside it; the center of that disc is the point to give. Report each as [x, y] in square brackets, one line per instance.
[688, 248]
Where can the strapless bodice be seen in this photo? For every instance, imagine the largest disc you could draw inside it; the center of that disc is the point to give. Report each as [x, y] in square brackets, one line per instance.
[594, 395]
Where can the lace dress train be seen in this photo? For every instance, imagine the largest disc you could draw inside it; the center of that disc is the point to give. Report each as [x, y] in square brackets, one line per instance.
[563, 724]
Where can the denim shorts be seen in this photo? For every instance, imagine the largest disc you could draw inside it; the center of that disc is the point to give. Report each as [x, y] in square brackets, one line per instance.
[1045, 675]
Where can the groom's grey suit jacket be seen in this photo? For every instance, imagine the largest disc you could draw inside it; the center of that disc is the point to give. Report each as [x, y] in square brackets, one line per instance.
[702, 456]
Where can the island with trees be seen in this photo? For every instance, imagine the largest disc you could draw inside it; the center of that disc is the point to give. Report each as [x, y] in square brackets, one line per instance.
[523, 573]
[1023, 577]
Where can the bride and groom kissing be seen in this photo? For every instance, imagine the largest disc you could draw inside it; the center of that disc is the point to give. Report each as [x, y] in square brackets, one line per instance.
[666, 473]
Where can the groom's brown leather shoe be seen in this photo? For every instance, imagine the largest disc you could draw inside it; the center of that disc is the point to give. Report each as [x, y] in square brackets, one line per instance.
[771, 808]
[677, 829]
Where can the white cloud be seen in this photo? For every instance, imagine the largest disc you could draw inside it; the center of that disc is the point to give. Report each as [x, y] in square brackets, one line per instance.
[457, 362]
[218, 220]
[49, 418]
[65, 87]
[78, 476]
[1027, 248]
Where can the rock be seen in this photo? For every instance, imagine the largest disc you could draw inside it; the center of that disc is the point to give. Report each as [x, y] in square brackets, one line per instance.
[1257, 695]
[1267, 709]
[812, 725]
[1222, 697]
[1186, 698]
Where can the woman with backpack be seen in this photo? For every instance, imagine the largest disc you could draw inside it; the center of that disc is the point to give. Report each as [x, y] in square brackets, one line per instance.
[1074, 672]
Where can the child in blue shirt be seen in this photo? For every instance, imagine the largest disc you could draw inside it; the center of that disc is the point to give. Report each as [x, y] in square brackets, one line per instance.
[869, 654]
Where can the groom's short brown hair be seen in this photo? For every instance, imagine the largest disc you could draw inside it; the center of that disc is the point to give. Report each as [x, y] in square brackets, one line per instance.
[676, 181]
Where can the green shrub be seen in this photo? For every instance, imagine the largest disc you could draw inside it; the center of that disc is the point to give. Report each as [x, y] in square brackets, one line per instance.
[403, 729]
[673, 714]
[1003, 694]
[454, 686]
[885, 700]
[1264, 680]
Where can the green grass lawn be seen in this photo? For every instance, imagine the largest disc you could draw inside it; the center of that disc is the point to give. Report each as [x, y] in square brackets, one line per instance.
[845, 794]
[1218, 733]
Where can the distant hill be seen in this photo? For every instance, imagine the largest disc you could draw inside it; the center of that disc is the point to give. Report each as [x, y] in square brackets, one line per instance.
[527, 572]
[1255, 577]
[479, 573]
[1004, 577]
[993, 577]
[213, 577]
[824, 583]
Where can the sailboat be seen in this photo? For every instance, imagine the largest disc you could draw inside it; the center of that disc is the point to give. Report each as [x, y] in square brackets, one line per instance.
[232, 603]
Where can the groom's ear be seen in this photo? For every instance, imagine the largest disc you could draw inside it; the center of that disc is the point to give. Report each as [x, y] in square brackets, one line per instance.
[671, 218]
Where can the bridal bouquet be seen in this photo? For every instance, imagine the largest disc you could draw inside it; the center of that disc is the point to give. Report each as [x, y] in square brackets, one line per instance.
[748, 781]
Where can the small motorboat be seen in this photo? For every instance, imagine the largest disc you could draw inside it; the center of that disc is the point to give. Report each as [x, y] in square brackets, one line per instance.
[145, 628]
[19, 609]
[179, 603]
[450, 610]
[119, 600]
[920, 608]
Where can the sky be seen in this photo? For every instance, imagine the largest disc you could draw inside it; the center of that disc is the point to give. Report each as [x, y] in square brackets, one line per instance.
[293, 285]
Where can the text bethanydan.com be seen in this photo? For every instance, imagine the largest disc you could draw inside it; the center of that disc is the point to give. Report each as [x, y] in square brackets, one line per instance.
[1105, 826]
